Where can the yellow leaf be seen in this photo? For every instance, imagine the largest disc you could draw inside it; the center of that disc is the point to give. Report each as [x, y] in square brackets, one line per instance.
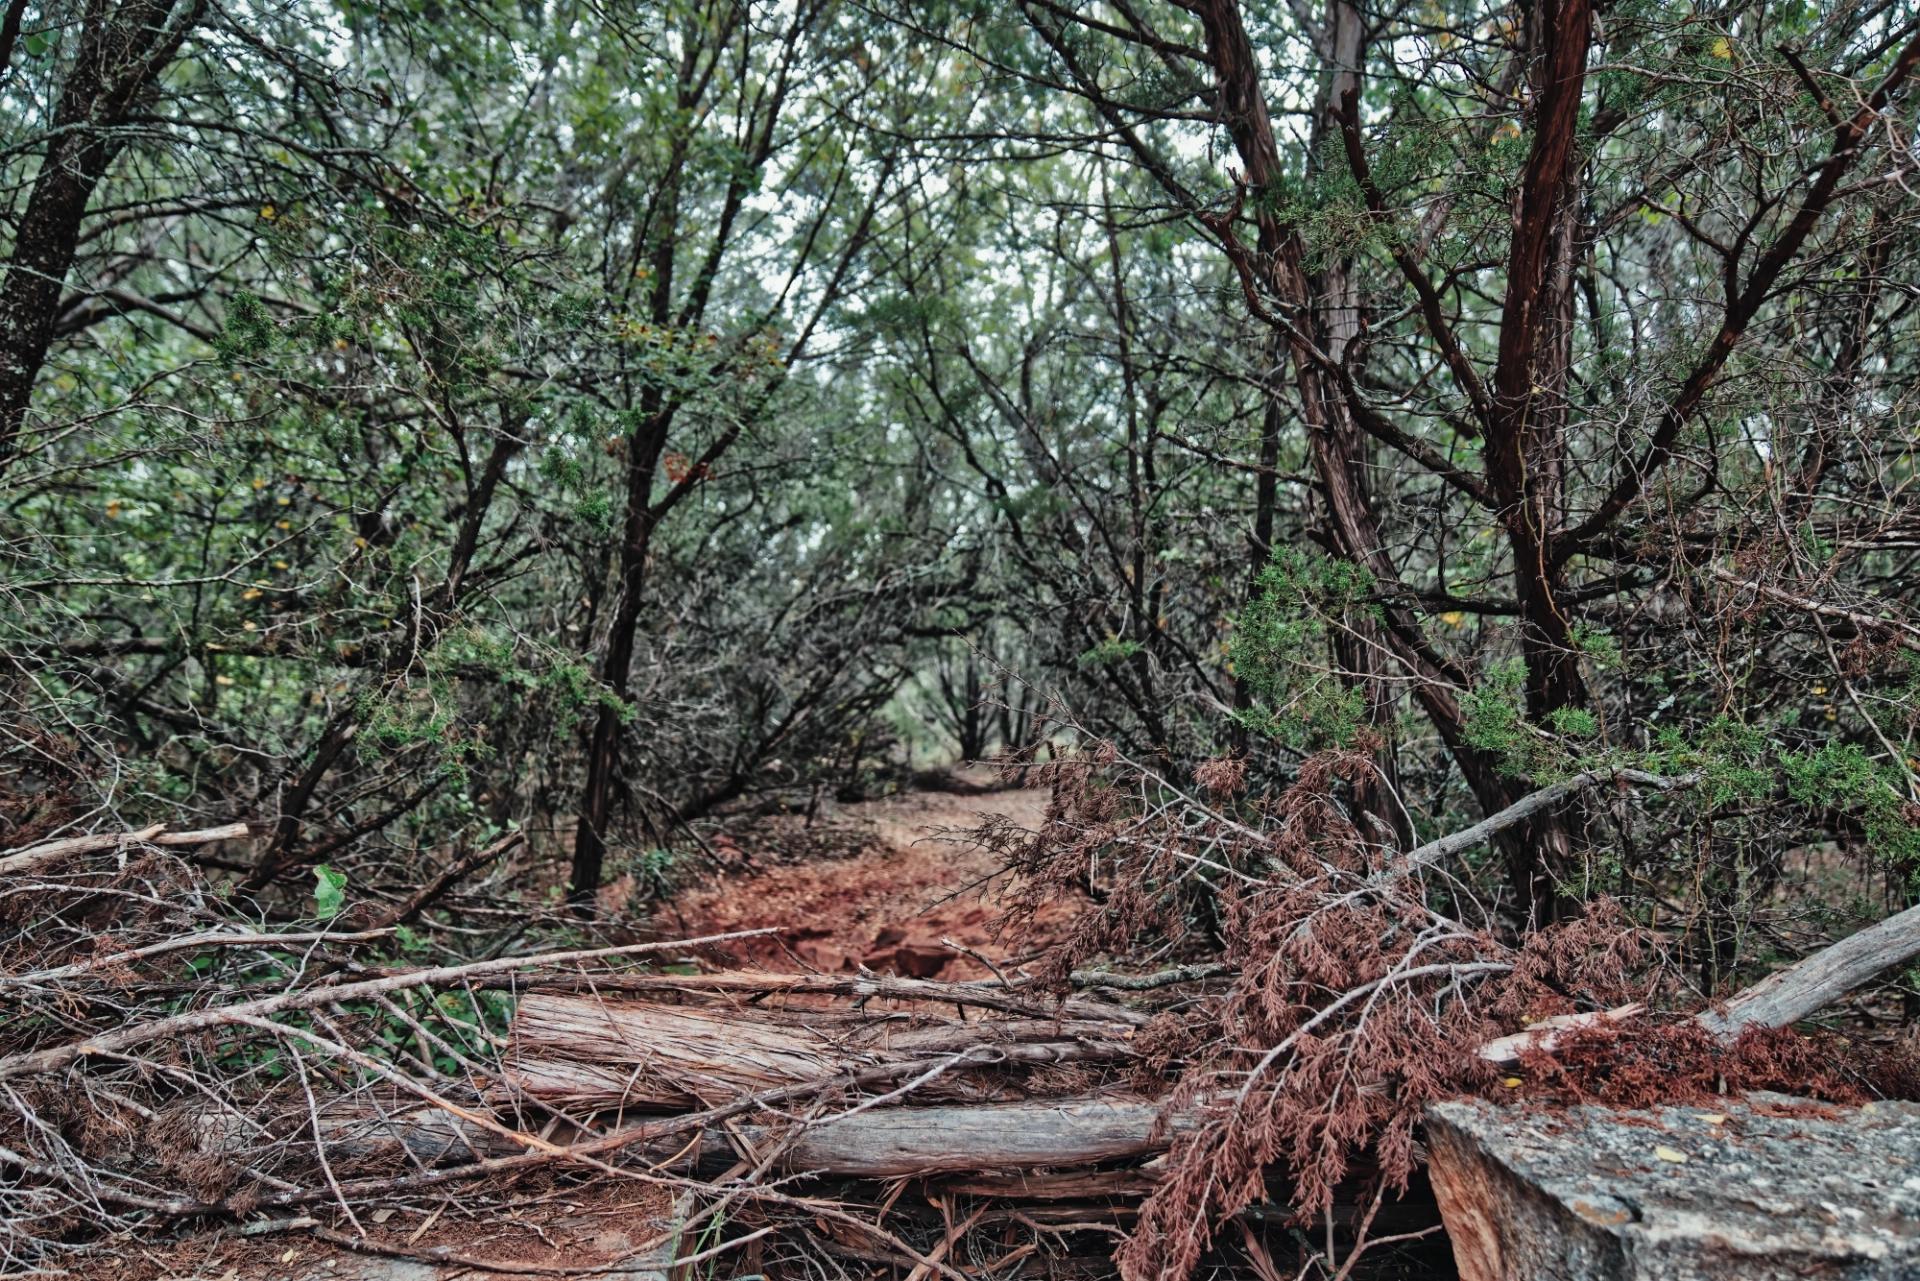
[250, 625]
[113, 510]
[283, 524]
[1453, 618]
[223, 680]
[1674, 1155]
[1511, 1082]
[284, 501]
[269, 213]
[259, 482]
[279, 564]
[1722, 50]
[252, 593]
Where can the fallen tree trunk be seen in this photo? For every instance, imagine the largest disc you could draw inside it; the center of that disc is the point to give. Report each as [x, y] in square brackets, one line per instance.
[583, 1055]
[877, 1143]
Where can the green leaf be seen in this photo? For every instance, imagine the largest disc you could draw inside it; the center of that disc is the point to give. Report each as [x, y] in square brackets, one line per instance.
[329, 892]
[35, 44]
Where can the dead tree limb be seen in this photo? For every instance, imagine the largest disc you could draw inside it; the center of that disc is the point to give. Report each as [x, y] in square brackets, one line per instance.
[20, 862]
[1779, 1000]
[1815, 981]
[1533, 803]
[55, 1058]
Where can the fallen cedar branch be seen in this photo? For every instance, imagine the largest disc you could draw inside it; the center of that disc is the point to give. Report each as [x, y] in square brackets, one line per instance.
[20, 862]
[1814, 982]
[1781, 999]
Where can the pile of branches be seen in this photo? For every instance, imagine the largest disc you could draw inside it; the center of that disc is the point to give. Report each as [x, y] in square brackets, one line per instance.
[174, 1062]
[1252, 1015]
[169, 1057]
[1358, 983]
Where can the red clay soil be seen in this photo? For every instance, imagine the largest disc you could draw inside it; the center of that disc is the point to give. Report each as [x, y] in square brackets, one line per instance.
[565, 1230]
[917, 881]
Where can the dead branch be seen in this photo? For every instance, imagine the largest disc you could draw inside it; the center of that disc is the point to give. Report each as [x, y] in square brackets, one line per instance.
[18, 862]
[1533, 803]
[1809, 984]
[60, 1056]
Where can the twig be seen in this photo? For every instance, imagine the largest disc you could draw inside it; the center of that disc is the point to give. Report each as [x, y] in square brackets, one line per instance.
[427, 895]
[213, 938]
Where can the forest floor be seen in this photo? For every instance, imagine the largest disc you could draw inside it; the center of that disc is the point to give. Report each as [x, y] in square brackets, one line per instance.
[888, 884]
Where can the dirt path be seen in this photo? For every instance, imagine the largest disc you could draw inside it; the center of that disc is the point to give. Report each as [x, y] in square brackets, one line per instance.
[915, 881]
[912, 879]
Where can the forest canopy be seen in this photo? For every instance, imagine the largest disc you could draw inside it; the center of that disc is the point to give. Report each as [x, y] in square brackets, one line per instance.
[1299, 431]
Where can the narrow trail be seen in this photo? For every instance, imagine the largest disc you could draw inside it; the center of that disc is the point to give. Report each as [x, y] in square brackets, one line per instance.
[916, 880]
[912, 878]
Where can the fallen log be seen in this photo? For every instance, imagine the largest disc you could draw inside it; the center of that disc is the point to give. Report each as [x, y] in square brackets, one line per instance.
[876, 1143]
[583, 1055]
[1034, 1134]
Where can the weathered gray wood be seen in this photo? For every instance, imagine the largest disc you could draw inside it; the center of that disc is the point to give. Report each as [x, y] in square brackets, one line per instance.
[876, 1143]
[587, 1055]
[20, 862]
[1786, 997]
[891, 1142]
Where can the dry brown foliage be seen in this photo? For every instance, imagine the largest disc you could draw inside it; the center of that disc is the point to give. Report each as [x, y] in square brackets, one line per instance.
[1355, 1001]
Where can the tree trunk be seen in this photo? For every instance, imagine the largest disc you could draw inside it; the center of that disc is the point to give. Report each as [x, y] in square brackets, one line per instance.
[121, 58]
[616, 673]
